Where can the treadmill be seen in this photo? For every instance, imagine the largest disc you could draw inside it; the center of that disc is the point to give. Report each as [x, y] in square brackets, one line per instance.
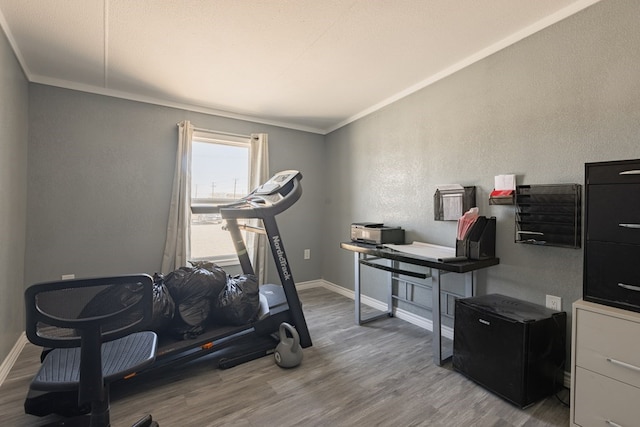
[264, 203]
[228, 346]
[279, 302]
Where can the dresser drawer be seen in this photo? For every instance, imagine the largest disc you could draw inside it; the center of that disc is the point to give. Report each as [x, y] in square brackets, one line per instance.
[604, 402]
[611, 274]
[614, 213]
[621, 172]
[608, 345]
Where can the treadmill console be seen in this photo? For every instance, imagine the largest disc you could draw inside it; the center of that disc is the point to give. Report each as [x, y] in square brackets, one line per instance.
[272, 197]
[281, 189]
[276, 183]
[274, 190]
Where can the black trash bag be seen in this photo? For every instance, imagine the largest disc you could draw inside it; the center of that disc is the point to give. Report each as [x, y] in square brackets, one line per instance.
[113, 299]
[163, 305]
[194, 290]
[239, 302]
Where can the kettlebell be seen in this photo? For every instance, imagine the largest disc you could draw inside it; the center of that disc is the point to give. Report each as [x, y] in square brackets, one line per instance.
[288, 353]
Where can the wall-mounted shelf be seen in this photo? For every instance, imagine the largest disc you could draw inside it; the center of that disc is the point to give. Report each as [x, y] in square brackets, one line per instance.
[549, 215]
[450, 205]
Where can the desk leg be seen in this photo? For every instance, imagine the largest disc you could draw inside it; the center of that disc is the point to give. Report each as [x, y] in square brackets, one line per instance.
[395, 265]
[435, 316]
[469, 284]
[356, 275]
[469, 291]
[357, 287]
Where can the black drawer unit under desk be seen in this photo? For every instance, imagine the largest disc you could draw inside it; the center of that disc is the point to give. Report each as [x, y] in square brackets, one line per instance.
[514, 348]
[612, 234]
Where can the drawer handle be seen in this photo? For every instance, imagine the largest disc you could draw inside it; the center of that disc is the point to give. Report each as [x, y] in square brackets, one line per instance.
[631, 172]
[630, 287]
[611, 423]
[623, 364]
[629, 225]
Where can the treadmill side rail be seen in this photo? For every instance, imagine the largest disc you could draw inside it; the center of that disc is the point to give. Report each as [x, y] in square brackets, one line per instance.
[286, 277]
[280, 193]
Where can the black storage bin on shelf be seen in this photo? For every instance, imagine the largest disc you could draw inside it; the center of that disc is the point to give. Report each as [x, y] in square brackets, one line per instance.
[513, 348]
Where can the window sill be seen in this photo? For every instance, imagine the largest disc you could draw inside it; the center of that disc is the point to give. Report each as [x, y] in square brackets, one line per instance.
[221, 262]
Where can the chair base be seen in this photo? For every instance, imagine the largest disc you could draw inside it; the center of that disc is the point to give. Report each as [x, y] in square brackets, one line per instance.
[63, 403]
[146, 422]
[85, 421]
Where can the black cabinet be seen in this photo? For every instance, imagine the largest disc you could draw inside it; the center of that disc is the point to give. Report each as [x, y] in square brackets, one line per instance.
[513, 348]
[612, 234]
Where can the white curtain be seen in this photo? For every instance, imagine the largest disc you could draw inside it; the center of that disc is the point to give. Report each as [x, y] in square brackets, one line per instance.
[176, 249]
[257, 243]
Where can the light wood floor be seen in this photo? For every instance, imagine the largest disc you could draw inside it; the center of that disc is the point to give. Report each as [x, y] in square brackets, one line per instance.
[380, 374]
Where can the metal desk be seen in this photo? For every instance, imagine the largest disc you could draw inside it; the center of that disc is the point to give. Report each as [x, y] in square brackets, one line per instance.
[364, 254]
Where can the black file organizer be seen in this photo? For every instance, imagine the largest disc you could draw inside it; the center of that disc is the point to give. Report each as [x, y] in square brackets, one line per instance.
[549, 215]
[480, 242]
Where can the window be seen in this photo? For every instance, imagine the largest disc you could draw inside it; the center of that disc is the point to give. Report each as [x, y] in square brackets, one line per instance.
[220, 168]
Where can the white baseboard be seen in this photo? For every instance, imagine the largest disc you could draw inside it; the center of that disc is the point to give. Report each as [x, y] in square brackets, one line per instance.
[407, 316]
[310, 284]
[11, 358]
[412, 318]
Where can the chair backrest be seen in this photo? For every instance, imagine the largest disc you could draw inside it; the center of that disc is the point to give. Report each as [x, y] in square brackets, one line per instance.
[85, 313]
[59, 314]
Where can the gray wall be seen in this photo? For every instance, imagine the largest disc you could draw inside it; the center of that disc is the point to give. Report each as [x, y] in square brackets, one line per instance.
[14, 91]
[100, 177]
[540, 109]
[99, 168]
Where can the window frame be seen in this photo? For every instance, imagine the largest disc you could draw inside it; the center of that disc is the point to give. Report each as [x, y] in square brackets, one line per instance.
[229, 259]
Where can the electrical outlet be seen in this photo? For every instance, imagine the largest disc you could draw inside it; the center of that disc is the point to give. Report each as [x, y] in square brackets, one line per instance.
[554, 303]
[307, 254]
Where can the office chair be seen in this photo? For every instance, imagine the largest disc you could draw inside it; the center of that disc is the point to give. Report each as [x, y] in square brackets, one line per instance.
[94, 328]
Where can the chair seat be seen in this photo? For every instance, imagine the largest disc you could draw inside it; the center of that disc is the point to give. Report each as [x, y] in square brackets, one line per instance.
[60, 370]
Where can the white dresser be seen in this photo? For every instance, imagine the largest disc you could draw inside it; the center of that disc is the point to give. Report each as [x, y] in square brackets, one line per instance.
[605, 366]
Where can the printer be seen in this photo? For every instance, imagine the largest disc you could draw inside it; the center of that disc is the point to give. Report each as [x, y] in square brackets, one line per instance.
[376, 233]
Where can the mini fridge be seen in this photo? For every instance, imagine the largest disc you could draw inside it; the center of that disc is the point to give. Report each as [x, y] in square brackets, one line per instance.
[511, 347]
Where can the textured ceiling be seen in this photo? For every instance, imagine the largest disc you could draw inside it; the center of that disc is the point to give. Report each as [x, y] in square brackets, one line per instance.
[313, 65]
